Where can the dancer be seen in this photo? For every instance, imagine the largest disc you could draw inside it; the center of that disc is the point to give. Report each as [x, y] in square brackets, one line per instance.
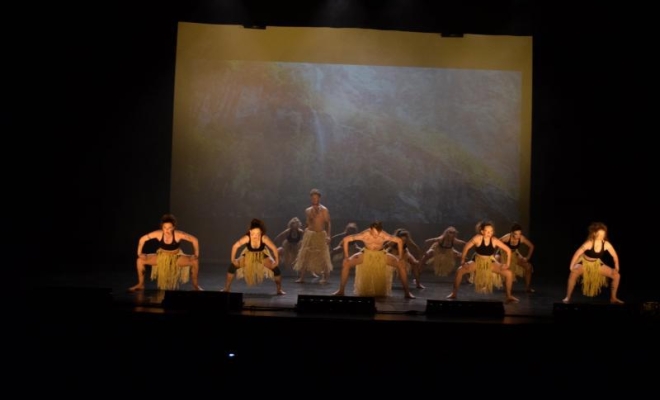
[376, 263]
[587, 263]
[314, 254]
[259, 259]
[338, 250]
[170, 266]
[485, 263]
[520, 265]
[411, 262]
[443, 253]
[291, 241]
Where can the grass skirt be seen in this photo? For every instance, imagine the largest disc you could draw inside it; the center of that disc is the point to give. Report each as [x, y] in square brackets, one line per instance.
[592, 280]
[444, 261]
[252, 267]
[167, 274]
[373, 277]
[314, 253]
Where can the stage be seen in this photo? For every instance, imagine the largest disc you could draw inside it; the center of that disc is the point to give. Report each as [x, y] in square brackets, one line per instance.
[538, 307]
[89, 321]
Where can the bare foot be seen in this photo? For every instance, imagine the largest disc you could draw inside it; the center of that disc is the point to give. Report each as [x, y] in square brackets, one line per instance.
[409, 296]
[530, 290]
[280, 292]
[420, 286]
[323, 281]
[136, 288]
[338, 293]
[198, 288]
[511, 299]
[616, 301]
[565, 300]
[224, 290]
[315, 275]
[451, 296]
[300, 280]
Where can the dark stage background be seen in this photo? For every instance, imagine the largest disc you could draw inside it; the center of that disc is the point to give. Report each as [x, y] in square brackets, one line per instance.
[91, 93]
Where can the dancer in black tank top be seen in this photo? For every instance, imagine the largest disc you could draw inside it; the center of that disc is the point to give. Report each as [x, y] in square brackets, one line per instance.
[485, 244]
[587, 263]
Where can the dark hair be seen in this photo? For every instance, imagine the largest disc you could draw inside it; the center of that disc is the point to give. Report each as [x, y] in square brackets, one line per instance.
[257, 224]
[401, 232]
[595, 227]
[292, 221]
[483, 224]
[351, 226]
[168, 218]
[516, 227]
[377, 225]
[314, 191]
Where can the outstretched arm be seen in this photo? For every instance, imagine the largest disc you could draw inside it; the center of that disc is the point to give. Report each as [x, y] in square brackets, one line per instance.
[506, 249]
[273, 249]
[281, 236]
[348, 239]
[530, 247]
[240, 242]
[144, 239]
[466, 248]
[576, 256]
[416, 250]
[193, 240]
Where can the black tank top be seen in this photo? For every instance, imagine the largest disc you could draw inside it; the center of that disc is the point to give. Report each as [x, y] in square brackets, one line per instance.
[485, 250]
[169, 246]
[292, 239]
[592, 254]
[513, 247]
[451, 244]
[261, 247]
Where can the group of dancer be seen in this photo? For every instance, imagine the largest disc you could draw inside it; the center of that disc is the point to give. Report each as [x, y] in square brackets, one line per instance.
[377, 257]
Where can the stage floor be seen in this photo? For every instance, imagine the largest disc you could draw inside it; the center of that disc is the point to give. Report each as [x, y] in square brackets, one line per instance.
[538, 307]
[75, 339]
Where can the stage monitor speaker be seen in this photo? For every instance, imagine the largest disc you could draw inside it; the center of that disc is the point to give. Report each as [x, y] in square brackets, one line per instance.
[362, 305]
[206, 301]
[469, 309]
[593, 311]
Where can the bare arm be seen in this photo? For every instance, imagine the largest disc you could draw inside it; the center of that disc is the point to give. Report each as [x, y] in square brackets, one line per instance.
[240, 242]
[144, 239]
[342, 234]
[615, 256]
[328, 225]
[350, 238]
[282, 235]
[345, 242]
[273, 248]
[192, 239]
[576, 256]
[530, 247]
[414, 246]
[503, 247]
[411, 257]
[399, 245]
[467, 248]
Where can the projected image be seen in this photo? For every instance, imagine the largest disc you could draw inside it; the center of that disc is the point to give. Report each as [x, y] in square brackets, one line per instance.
[414, 147]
